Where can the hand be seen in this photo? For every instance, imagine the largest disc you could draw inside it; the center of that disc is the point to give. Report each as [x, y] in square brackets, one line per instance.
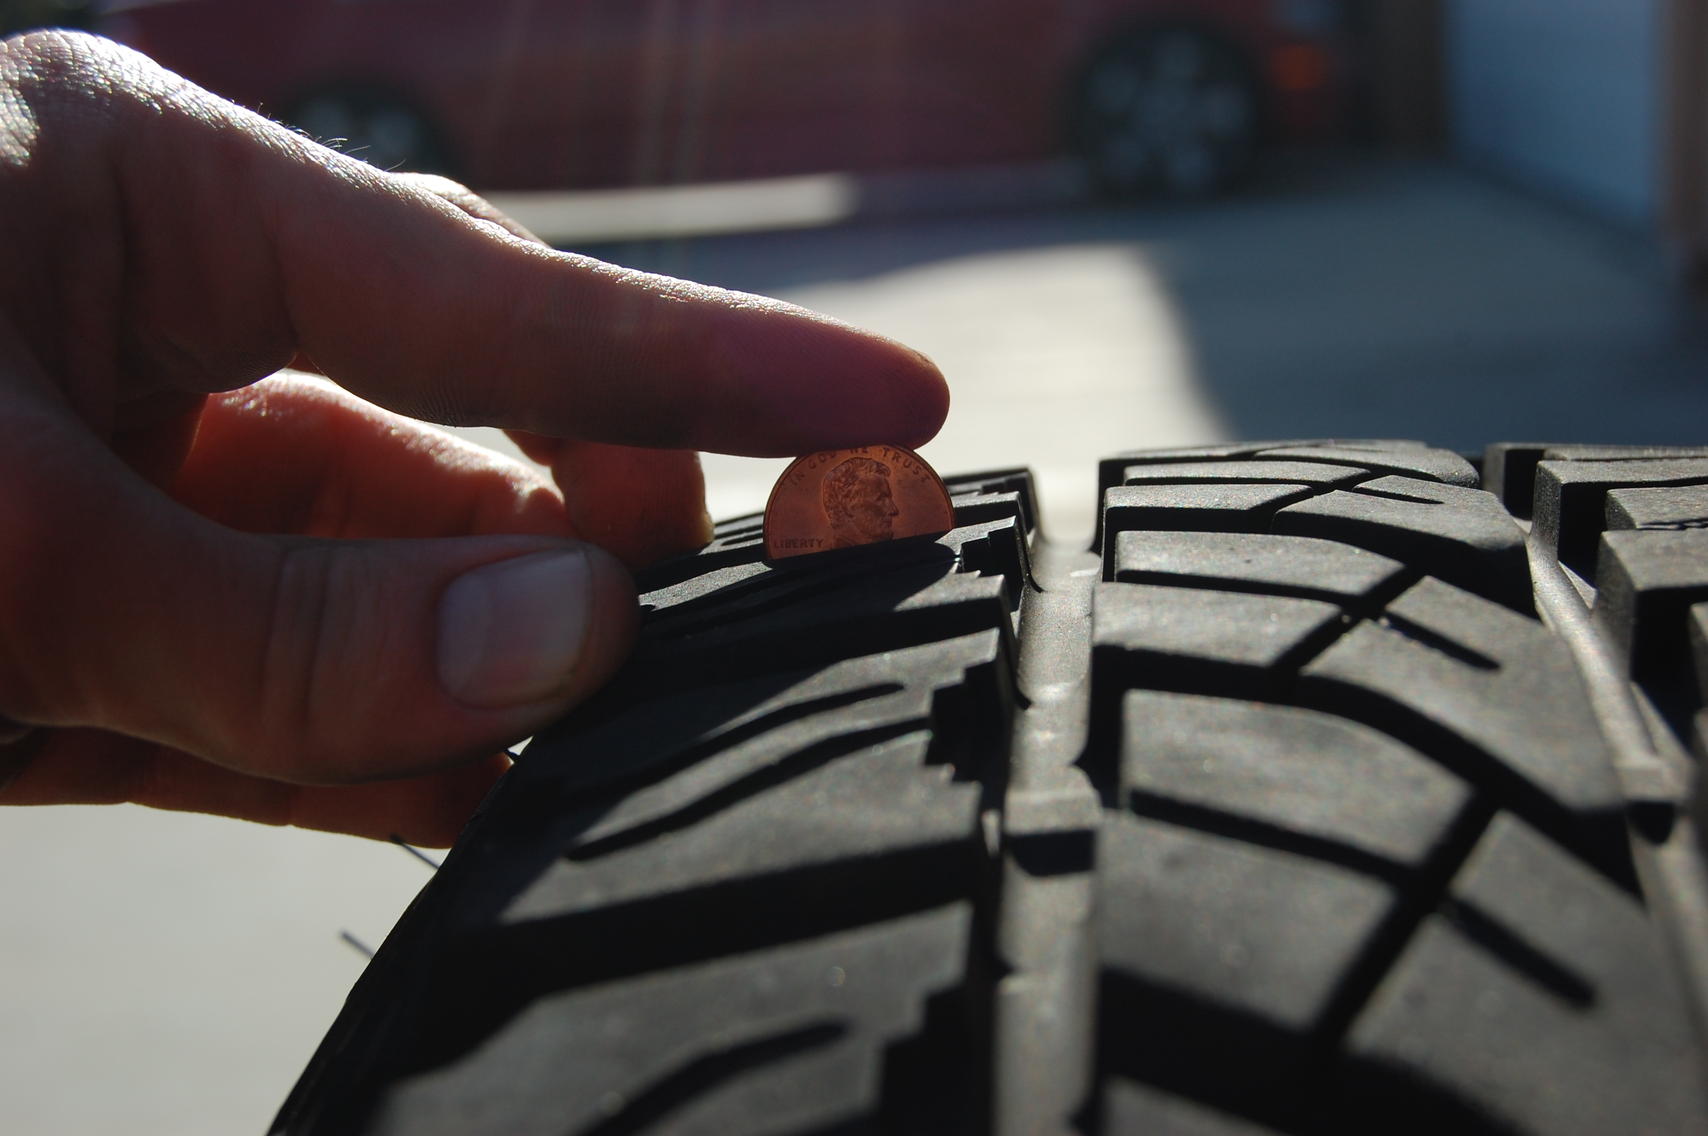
[285, 602]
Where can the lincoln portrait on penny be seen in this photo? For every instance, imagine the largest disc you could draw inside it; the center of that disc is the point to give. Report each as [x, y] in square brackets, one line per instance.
[858, 502]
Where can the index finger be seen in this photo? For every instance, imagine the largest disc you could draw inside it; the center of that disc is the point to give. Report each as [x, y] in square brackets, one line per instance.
[245, 243]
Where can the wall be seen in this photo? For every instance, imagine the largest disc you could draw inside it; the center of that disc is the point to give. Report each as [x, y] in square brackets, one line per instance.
[1561, 94]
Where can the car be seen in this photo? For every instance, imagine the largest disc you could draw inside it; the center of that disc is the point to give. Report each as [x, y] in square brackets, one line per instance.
[1155, 95]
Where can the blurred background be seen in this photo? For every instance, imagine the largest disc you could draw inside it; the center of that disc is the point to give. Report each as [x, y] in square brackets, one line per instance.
[1113, 223]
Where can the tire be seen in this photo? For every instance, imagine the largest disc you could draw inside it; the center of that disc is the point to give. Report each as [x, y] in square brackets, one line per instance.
[380, 128]
[1340, 787]
[1173, 112]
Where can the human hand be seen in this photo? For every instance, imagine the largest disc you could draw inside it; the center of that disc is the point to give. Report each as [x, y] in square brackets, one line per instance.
[284, 602]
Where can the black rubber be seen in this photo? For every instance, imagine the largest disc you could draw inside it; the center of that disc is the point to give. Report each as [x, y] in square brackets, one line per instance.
[1318, 796]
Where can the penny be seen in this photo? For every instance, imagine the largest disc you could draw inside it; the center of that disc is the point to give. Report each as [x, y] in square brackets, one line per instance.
[863, 495]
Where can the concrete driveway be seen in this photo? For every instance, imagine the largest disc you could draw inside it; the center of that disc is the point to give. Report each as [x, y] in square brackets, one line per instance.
[1347, 298]
[168, 974]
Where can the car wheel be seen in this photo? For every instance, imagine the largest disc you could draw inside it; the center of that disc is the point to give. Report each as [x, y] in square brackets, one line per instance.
[1172, 112]
[380, 129]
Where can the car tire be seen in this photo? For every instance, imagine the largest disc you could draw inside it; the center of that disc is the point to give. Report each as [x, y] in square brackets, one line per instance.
[380, 128]
[1339, 787]
[1174, 112]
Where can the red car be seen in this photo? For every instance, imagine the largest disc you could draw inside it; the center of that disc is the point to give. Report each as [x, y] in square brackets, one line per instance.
[1171, 95]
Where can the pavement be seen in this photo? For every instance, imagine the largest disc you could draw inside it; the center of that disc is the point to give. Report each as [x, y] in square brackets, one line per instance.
[172, 974]
[1344, 297]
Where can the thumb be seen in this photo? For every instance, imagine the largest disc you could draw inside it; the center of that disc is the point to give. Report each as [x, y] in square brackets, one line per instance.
[293, 658]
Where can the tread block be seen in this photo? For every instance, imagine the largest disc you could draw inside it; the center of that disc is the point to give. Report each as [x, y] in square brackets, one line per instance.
[1298, 472]
[784, 1040]
[1540, 997]
[891, 798]
[1225, 468]
[746, 526]
[1294, 779]
[777, 620]
[1509, 468]
[1146, 634]
[873, 571]
[1202, 936]
[1131, 1109]
[1018, 481]
[1416, 461]
[732, 546]
[767, 865]
[1699, 648]
[639, 744]
[1248, 449]
[1113, 471]
[1648, 581]
[1493, 695]
[977, 508]
[1571, 499]
[1460, 535]
[1509, 472]
[1440, 527]
[690, 730]
[996, 549]
[1254, 562]
[1665, 508]
[1580, 452]
[1199, 641]
[1191, 508]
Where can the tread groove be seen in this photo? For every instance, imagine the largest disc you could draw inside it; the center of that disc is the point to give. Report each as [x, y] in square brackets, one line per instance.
[660, 1098]
[1259, 518]
[637, 777]
[1355, 610]
[492, 974]
[1266, 834]
[1523, 957]
[1601, 847]
[1435, 641]
[1392, 935]
[1363, 489]
[746, 787]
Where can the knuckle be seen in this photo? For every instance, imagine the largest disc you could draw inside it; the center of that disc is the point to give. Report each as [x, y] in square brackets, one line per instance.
[289, 670]
[321, 713]
[65, 92]
[57, 67]
[439, 186]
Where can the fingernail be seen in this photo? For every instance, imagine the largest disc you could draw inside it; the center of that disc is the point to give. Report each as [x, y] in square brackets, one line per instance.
[511, 633]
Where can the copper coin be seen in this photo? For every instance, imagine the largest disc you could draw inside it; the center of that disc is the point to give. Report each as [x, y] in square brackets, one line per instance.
[841, 498]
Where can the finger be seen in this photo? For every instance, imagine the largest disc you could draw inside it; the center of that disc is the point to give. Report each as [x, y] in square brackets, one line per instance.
[469, 202]
[642, 505]
[336, 466]
[157, 436]
[292, 658]
[463, 198]
[259, 243]
[94, 767]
